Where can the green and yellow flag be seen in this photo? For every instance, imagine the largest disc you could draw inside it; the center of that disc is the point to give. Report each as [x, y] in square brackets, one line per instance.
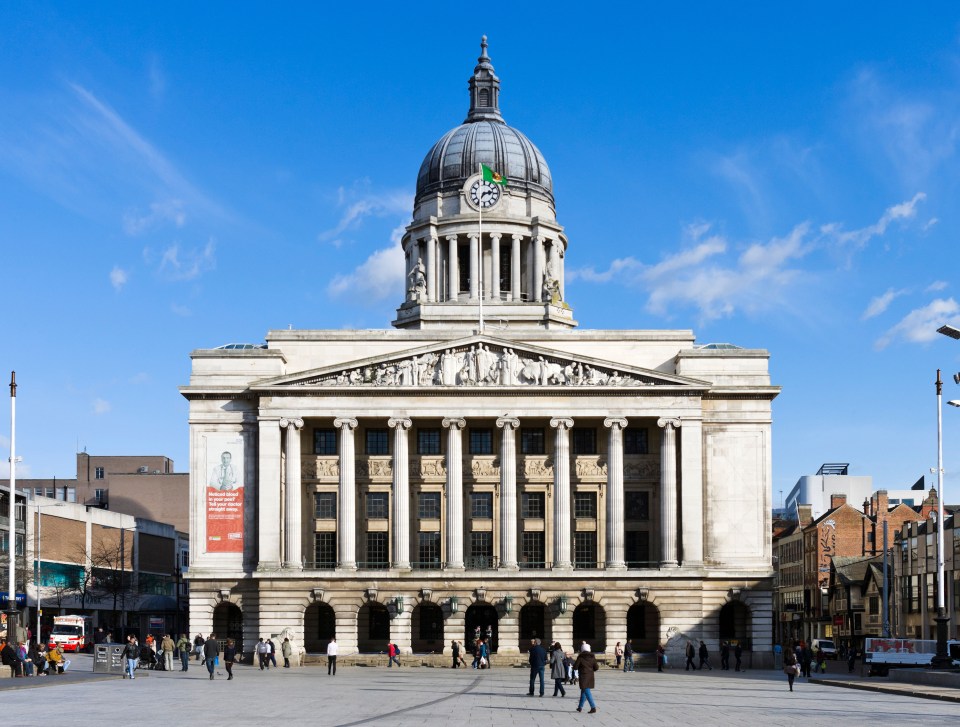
[491, 176]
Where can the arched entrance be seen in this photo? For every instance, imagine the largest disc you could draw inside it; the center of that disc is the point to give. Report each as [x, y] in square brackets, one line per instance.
[534, 624]
[319, 626]
[228, 623]
[643, 627]
[590, 625]
[373, 628]
[484, 617]
[735, 624]
[427, 628]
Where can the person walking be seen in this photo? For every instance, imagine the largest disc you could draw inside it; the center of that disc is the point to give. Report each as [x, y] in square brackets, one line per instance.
[661, 657]
[287, 650]
[628, 656]
[272, 652]
[790, 666]
[851, 659]
[690, 653]
[738, 655]
[819, 661]
[586, 665]
[211, 650]
[455, 650]
[558, 671]
[724, 656]
[198, 646]
[229, 656]
[332, 658]
[618, 652]
[538, 662]
[166, 647]
[131, 652]
[806, 658]
[394, 655]
[183, 646]
[262, 658]
[704, 656]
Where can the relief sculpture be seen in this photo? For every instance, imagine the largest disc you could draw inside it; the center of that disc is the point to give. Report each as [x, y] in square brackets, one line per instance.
[536, 468]
[484, 468]
[433, 468]
[642, 469]
[590, 467]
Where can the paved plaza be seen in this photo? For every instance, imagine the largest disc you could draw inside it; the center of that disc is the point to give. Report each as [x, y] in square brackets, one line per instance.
[426, 696]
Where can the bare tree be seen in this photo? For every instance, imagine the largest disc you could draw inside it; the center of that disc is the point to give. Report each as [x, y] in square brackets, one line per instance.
[111, 573]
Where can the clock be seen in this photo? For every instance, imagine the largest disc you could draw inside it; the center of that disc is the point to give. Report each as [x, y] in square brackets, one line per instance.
[484, 195]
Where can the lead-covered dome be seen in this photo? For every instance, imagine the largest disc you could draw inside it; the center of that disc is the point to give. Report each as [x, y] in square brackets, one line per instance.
[484, 138]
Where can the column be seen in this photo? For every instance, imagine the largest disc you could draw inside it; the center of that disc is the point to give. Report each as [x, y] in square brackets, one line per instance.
[559, 272]
[431, 269]
[508, 492]
[537, 269]
[453, 284]
[401, 493]
[293, 509]
[691, 507]
[531, 264]
[495, 265]
[454, 492]
[615, 559]
[347, 496]
[561, 492]
[474, 266]
[668, 491]
[515, 267]
[268, 495]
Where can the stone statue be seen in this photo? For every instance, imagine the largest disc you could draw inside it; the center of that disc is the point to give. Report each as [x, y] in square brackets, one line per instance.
[551, 286]
[418, 283]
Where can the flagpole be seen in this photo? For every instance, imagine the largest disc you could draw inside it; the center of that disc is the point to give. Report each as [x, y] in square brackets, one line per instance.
[480, 251]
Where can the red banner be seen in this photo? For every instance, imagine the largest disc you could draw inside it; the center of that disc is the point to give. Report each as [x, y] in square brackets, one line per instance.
[224, 520]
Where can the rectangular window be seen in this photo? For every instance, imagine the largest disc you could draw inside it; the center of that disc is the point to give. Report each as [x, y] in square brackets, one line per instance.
[636, 505]
[481, 441]
[4, 541]
[428, 551]
[585, 504]
[585, 550]
[636, 548]
[931, 592]
[428, 441]
[378, 555]
[584, 440]
[100, 495]
[38, 491]
[377, 505]
[428, 506]
[635, 441]
[325, 441]
[874, 605]
[98, 473]
[378, 441]
[531, 550]
[325, 550]
[71, 494]
[532, 505]
[531, 441]
[481, 505]
[325, 505]
[481, 550]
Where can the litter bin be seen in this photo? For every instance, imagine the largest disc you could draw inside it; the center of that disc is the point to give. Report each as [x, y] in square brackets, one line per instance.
[108, 659]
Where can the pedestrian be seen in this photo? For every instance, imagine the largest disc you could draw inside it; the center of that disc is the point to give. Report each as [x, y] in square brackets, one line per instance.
[211, 650]
[806, 658]
[332, 658]
[618, 652]
[628, 656]
[8, 656]
[538, 662]
[484, 651]
[198, 646]
[463, 661]
[394, 655]
[704, 656]
[166, 647]
[690, 653]
[476, 655]
[819, 660]
[131, 652]
[558, 672]
[262, 654]
[851, 659]
[229, 656]
[738, 655]
[455, 650]
[183, 646]
[661, 657]
[790, 666]
[272, 652]
[586, 665]
[287, 650]
[724, 656]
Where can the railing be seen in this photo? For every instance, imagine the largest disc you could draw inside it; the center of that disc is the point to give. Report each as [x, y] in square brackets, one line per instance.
[373, 565]
[480, 562]
[320, 564]
[428, 565]
[587, 564]
[535, 565]
[636, 564]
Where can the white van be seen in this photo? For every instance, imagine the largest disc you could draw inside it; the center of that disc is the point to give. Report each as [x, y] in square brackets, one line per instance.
[829, 648]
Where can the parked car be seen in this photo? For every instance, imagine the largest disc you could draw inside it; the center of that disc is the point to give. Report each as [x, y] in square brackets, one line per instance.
[829, 648]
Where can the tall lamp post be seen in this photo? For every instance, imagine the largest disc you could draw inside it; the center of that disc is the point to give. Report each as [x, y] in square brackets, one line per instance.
[40, 561]
[12, 613]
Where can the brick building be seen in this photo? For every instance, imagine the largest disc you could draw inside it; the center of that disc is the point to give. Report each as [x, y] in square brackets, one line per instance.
[916, 576]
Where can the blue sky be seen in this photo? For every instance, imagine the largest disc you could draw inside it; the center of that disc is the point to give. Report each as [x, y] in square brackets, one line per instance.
[184, 175]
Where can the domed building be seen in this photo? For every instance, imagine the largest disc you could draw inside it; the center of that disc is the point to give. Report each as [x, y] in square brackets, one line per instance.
[485, 469]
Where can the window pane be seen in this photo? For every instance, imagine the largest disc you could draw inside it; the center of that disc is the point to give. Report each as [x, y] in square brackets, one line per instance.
[481, 550]
[377, 503]
[584, 440]
[531, 441]
[585, 550]
[428, 441]
[377, 553]
[377, 441]
[531, 550]
[636, 505]
[326, 505]
[428, 550]
[635, 441]
[585, 504]
[428, 506]
[325, 550]
[636, 548]
[481, 504]
[531, 504]
[481, 441]
[325, 441]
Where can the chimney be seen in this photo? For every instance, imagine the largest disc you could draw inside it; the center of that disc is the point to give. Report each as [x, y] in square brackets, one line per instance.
[805, 514]
[837, 500]
[867, 506]
[883, 503]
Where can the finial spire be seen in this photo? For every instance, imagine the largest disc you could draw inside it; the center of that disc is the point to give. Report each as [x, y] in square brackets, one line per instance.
[484, 89]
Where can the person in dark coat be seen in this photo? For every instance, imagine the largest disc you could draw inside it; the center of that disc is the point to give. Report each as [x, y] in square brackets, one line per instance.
[455, 650]
[704, 656]
[211, 650]
[851, 659]
[628, 656]
[9, 658]
[229, 656]
[558, 672]
[586, 666]
[724, 656]
[661, 657]
[790, 666]
[738, 655]
[538, 661]
[690, 653]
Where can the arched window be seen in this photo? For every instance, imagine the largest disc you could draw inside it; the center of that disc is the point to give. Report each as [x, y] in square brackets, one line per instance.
[643, 627]
[735, 624]
[427, 628]
[319, 626]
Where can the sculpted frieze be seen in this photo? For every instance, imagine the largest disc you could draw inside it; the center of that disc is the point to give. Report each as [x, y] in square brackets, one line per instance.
[479, 365]
[487, 467]
[643, 467]
[430, 467]
[375, 468]
[320, 468]
[535, 468]
[590, 467]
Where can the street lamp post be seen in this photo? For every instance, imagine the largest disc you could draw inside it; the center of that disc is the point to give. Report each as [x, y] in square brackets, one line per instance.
[40, 561]
[942, 659]
[12, 612]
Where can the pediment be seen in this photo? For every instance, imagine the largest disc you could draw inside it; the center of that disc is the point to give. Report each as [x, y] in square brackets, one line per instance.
[479, 360]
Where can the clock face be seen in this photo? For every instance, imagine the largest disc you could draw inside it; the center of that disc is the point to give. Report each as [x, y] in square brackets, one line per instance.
[484, 195]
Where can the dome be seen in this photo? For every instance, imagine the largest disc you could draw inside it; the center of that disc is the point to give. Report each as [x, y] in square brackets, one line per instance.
[484, 138]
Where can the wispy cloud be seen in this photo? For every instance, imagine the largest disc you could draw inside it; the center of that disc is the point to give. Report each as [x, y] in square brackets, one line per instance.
[380, 276]
[101, 406]
[920, 325]
[936, 286]
[157, 78]
[177, 263]
[859, 238]
[171, 210]
[880, 303]
[118, 278]
[359, 202]
[180, 310]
